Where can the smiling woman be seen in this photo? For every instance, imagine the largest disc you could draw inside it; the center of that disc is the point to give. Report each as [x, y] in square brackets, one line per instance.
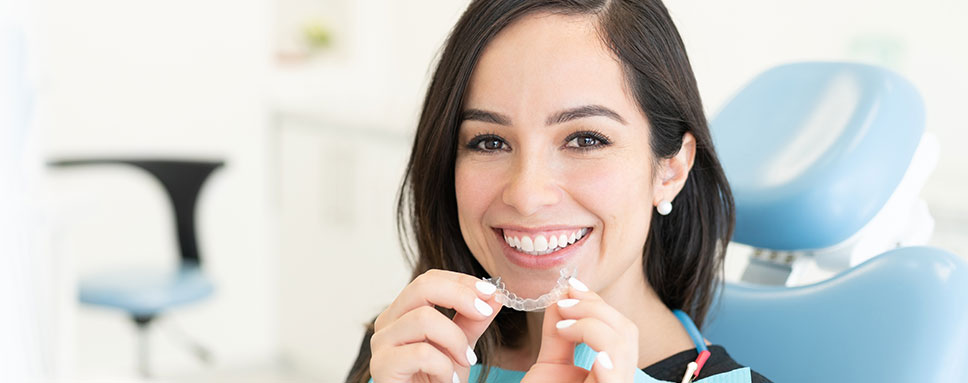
[549, 132]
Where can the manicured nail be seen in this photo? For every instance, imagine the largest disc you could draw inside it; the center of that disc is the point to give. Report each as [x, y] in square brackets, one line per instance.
[565, 323]
[577, 284]
[483, 307]
[485, 287]
[604, 360]
[567, 302]
[456, 379]
[471, 357]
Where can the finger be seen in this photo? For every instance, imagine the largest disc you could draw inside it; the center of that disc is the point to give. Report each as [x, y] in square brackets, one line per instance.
[426, 324]
[439, 288]
[400, 364]
[554, 349]
[591, 305]
[473, 328]
[617, 354]
[605, 371]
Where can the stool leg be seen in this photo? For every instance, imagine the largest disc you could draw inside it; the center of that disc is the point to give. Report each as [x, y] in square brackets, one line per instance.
[196, 348]
[143, 351]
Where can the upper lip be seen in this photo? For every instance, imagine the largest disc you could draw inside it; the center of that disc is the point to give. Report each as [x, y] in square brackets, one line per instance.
[540, 229]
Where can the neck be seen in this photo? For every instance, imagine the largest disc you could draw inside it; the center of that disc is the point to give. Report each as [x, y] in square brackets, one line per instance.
[661, 335]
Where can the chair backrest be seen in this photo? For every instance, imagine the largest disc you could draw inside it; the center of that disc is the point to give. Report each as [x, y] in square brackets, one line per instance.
[182, 181]
[813, 152]
[899, 317]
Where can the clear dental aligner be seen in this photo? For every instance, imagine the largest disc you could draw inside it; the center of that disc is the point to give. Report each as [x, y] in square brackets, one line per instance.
[511, 300]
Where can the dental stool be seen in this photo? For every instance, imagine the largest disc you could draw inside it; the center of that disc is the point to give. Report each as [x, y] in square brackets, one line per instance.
[145, 294]
[826, 161]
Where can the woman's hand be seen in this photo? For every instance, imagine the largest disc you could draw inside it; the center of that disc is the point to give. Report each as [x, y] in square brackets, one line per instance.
[585, 318]
[413, 342]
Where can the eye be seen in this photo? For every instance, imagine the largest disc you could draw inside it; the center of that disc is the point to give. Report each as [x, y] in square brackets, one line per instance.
[487, 143]
[587, 140]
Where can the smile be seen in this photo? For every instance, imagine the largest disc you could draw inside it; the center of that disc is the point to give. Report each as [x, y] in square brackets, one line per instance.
[544, 243]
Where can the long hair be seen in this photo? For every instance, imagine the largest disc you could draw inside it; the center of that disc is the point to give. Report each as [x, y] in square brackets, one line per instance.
[684, 250]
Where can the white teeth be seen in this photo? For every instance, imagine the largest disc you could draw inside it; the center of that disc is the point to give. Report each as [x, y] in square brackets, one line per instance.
[526, 244]
[540, 243]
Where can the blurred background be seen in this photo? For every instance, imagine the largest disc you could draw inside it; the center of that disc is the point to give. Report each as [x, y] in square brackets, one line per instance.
[310, 105]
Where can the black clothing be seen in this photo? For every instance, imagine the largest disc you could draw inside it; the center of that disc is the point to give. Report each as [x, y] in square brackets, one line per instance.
[672, 368]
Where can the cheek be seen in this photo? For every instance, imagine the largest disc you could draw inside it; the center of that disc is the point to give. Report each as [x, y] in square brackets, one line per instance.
[476, 187]
[611, 181]
[619, 192]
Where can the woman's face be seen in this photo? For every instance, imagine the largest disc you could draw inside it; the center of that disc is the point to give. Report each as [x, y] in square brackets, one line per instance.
[554, 164]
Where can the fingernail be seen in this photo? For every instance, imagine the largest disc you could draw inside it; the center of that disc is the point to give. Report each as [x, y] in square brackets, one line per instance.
[567, 302]
[604, 360]
[565, 323]
[485, 287]
[577, 284]
[471, 357]
[456, 379]
[483, 307]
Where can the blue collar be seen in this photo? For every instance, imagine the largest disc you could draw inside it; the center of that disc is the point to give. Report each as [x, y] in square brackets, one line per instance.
[585, 356]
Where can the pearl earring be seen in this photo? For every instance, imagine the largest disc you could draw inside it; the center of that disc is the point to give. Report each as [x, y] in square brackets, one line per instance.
[664, 208]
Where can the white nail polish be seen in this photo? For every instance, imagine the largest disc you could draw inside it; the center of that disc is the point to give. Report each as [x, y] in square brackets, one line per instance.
[471, 357]
[485, 287]
[456, 379]
[567, 302]
[483, 307]
[565, 323]
[577, 284]
[604, 360]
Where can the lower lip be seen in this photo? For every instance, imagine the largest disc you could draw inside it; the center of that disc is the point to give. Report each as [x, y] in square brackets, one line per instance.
[546, 261]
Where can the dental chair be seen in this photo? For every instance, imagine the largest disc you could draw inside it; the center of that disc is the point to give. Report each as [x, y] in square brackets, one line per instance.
[826, 161]
[146, 294]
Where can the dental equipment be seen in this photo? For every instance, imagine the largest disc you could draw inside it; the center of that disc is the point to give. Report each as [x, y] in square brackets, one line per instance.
[513, 301]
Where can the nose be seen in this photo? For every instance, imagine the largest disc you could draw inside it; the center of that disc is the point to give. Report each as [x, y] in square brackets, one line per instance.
[532, 186]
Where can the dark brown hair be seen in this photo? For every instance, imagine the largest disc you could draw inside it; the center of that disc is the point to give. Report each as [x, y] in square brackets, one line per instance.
[684, 250]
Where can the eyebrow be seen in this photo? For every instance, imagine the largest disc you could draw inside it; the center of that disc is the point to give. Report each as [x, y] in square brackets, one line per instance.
[556, 118]
[485, 116]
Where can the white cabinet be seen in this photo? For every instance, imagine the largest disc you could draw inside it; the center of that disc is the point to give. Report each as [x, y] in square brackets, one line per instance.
[340, 262]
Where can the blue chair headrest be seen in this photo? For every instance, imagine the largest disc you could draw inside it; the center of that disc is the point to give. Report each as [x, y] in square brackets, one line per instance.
[813, 151]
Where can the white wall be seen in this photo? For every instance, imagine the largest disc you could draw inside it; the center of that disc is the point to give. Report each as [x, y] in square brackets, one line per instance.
[28, 321]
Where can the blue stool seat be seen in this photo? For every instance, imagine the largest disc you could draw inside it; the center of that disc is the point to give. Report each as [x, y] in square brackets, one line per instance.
[899, 317]
[145, 293]
[814, 150]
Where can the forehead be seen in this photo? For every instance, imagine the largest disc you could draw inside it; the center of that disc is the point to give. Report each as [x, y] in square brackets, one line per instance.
[548, 61]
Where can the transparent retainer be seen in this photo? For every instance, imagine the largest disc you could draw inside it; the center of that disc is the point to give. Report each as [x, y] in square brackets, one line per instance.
[511, 300]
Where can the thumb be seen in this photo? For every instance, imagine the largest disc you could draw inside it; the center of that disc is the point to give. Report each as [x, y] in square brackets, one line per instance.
[554, 349]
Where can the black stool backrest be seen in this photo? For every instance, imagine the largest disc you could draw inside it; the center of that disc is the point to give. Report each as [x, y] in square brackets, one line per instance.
[182, 181]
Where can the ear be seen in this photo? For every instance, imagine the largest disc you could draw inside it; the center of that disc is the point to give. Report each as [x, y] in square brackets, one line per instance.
[672, 172]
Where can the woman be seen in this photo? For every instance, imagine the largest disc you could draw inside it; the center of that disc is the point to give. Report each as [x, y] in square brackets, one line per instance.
[550, 131]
